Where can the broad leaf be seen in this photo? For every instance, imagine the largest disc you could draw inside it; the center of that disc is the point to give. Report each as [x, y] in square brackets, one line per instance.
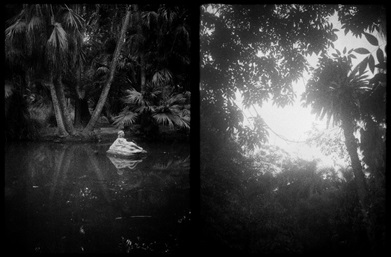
[371, 63]
[380, 55]
[361, 50]
[363, 65]
[371, 39]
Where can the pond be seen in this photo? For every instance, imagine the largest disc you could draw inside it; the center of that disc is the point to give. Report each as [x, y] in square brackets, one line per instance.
[70, 198]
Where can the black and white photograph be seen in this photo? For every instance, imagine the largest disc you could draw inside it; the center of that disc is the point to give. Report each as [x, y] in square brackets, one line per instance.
[292, 154]
[97, 106]
[195, 129]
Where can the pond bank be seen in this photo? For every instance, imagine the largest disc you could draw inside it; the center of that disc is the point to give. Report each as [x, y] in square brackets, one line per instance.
[100, 134]
[107, 133]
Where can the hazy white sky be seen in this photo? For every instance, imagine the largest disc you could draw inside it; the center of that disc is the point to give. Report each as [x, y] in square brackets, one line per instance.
[293, 121]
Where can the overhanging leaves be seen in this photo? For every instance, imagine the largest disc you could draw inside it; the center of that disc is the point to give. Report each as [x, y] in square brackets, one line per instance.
[371, 39]
[361, 50]
[371, 63]
[380, 55]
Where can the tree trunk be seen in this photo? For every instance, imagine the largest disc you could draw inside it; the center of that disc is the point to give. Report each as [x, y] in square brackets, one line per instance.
[57, 110]
[65, 112]
[82, 114]
[106, 89]
[107, 109]
[141, 55]
[359, 177]
[142, 64]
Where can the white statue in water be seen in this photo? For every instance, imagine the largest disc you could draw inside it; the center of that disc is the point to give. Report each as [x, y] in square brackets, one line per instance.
[123, 147]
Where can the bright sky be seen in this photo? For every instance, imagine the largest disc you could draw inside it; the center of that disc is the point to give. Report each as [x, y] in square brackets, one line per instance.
[293, 121]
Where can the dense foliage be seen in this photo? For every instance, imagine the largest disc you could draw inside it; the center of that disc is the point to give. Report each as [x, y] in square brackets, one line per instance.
[271, 203]
[64, 59]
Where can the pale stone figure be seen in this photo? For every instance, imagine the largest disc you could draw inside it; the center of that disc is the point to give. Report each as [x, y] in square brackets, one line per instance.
[123, 147]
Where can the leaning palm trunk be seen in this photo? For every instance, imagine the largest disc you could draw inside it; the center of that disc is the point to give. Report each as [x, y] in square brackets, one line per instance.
[57, 110]
[106, 89]
[141, 56]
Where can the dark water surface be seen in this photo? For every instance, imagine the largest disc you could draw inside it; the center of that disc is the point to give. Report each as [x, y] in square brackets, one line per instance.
[74, 198]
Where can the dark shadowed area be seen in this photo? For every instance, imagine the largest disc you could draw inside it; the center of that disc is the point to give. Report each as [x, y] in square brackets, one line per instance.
[65, 198]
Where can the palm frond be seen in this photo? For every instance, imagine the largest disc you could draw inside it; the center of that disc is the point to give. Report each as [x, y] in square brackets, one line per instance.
[8, 90]
[180, 121]
[73, 20]
[34, 24]
[134, 97]
[125, 118]
[164, 119]
[57, 44]
[162, 77]
[172, 118]
[145, 109]
[176, 99]
[16, 28]
[58, 39]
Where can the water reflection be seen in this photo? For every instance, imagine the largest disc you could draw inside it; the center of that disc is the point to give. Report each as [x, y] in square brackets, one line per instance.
[74, 198]
[121, 164]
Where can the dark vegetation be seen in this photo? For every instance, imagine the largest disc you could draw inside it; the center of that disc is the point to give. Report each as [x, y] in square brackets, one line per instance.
[73, 68]
[248, 207]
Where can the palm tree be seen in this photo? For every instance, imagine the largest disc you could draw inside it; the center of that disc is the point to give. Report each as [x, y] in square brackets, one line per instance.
[106, 89]
[158, 50]
[40, 36]
[159, 44]
[156, 105]
[337, 91]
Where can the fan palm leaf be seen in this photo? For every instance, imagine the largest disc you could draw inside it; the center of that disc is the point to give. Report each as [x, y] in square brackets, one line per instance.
[57, 45]
[162, 77]
[125, 118]
[134, 97]
[16, 28]
[164, 118]
[35, 24]
[73, 20]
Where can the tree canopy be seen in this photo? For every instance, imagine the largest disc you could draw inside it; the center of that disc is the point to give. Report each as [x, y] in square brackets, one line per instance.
[92, 54]
[259, 51]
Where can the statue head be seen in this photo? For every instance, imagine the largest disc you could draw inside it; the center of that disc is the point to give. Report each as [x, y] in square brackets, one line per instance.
[121, 134]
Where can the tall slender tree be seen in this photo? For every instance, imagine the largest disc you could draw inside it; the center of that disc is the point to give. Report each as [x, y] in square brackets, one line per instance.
[37, 37]
[337, 91]
[106, 89]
